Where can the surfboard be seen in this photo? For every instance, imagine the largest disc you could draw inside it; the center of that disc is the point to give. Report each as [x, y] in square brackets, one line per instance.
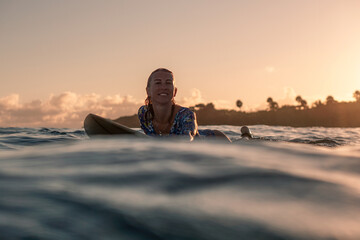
[95, 125]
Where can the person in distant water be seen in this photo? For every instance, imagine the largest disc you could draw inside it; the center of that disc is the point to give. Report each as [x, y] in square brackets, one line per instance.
[246, 133]
[161, 116]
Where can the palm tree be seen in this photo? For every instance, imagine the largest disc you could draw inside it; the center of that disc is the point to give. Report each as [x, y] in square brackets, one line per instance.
[330, 100]
[239, 104]
[272, 105]
[210, 106]
[298, 99]
[302, 102]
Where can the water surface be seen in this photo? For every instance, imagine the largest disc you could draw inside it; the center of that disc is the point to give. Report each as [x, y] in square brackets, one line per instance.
[289, 183]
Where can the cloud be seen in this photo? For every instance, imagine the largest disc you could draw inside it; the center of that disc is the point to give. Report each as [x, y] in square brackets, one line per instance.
[10, 102]
[67, 109]
[195, 98]
[288, 98]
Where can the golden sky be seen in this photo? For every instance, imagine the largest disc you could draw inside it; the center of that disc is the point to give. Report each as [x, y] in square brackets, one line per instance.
[96, 55]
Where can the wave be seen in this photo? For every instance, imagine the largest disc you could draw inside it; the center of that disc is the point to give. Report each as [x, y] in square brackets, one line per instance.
[124, 188]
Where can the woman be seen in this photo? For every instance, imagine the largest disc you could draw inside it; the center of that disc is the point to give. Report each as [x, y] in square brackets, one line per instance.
[160, 116]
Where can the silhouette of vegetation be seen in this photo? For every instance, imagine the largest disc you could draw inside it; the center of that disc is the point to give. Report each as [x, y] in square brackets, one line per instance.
[317, 104]
[302, 103]
[288, 107]
[330, 100]
[272, 104]
[328, 113]
[239, 104]
[357, 96]
[200, 106]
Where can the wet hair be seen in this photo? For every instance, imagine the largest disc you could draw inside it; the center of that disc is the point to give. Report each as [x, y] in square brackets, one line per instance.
[149, 115]
[158, 70]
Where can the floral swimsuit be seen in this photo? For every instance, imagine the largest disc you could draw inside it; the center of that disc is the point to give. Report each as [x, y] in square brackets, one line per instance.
[184, 124]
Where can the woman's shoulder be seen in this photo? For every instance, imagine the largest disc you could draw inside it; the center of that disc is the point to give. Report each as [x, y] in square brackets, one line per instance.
[141, 113]
[185, 112]
[142, 109]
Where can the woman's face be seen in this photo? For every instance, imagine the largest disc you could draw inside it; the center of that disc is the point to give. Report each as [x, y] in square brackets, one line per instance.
[161, 88]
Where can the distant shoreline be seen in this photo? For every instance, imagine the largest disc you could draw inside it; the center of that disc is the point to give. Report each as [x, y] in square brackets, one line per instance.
[339, 114]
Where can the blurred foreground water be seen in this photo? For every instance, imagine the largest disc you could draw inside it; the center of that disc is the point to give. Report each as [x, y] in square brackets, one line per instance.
[288, 183]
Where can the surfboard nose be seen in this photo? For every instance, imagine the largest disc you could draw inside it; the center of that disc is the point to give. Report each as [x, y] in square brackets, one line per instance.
[90, 124]
[96, 125]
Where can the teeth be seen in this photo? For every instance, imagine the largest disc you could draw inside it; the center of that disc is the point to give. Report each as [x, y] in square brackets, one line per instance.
[163, 94]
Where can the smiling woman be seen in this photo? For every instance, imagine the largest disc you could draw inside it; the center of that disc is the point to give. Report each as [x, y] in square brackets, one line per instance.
[160, 116]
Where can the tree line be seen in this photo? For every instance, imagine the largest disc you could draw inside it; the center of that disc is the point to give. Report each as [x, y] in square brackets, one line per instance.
[302, 103]
[330, 113]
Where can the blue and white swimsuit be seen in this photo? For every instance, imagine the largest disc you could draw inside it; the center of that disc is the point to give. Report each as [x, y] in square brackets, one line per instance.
[184, 124]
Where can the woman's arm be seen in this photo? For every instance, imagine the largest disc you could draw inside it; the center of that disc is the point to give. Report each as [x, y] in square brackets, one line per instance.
[189, 125]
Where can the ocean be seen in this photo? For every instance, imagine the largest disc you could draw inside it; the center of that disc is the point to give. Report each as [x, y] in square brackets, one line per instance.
[287, 183]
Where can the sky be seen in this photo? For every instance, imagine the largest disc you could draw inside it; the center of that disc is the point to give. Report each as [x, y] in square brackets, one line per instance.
[60, 60]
